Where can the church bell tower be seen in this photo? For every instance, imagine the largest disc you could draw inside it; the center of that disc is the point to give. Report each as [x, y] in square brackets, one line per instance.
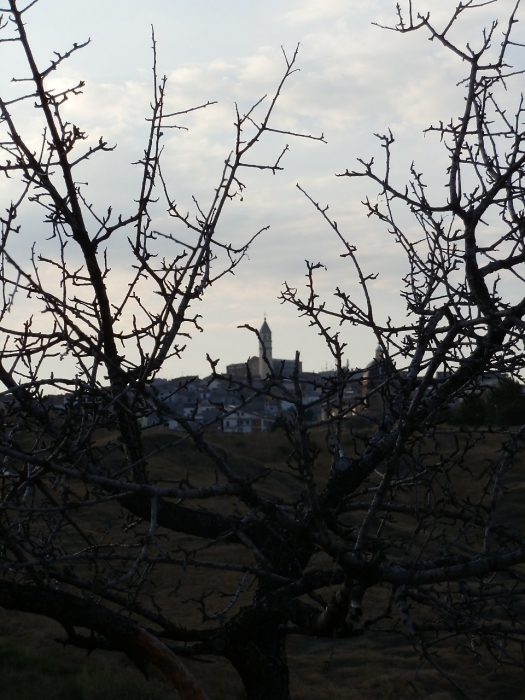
[265, 346]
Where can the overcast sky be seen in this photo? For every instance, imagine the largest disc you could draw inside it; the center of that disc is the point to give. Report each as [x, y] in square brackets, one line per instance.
[355, 80]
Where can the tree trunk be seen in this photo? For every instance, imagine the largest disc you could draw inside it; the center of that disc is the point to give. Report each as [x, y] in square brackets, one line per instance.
[261, 663]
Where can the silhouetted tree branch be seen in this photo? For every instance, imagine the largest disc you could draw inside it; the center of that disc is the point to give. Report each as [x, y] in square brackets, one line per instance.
[407, 525]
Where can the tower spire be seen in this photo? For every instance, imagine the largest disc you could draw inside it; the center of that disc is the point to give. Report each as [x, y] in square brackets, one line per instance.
[265, 348]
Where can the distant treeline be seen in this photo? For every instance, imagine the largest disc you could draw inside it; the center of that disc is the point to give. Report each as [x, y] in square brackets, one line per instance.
[500, 407]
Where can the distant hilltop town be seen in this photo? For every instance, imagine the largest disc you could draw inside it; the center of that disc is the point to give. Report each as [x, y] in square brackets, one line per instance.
[234, 402]
[218, 402]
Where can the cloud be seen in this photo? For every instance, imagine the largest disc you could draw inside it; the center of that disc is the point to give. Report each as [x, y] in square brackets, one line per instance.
[311, 11]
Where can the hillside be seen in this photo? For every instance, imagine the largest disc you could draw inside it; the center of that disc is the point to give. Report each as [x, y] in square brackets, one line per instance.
[381, 664]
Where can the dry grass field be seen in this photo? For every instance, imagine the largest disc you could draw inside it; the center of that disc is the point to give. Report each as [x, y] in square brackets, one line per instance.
[380, 665]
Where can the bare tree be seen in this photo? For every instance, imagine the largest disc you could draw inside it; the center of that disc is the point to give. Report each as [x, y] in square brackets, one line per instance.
[390, 533]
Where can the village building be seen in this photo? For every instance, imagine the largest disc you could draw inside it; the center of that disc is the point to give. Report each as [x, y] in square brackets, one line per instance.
[246, 422]
[260, 365]
[374, 377]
